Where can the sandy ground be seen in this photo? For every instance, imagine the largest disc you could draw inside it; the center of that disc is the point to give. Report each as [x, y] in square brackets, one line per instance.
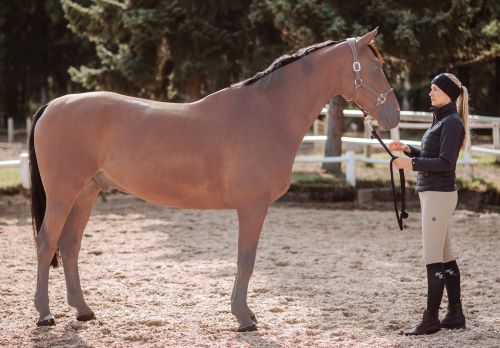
[324, 277]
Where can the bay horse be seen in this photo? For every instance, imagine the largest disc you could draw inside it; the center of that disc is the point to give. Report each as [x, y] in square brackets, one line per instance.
[233, 149]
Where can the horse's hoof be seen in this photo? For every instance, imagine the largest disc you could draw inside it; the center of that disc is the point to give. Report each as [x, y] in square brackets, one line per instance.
[47, 321]
[248, 328]
[254, 319]
[86, 317]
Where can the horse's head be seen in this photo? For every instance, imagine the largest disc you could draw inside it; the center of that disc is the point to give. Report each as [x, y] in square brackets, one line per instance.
[364, 82]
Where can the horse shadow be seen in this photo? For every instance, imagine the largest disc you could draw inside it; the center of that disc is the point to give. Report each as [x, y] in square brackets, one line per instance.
[46, 337]
[254, 339]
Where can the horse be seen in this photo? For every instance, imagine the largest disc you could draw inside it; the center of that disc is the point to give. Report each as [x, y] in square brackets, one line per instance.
[233, 149]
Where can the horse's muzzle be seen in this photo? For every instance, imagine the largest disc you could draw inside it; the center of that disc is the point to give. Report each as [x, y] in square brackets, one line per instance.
[388, 117]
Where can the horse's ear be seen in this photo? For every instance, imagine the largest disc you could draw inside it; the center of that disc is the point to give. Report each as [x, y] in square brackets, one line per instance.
[368, 37]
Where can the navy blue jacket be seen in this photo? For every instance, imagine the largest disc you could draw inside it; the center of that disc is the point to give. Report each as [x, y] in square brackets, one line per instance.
[437, 158]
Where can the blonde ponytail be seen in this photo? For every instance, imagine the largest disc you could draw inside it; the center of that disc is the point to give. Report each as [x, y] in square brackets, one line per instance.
[462, 105]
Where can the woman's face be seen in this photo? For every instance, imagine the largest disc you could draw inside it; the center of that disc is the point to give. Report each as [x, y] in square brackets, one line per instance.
[438, 97]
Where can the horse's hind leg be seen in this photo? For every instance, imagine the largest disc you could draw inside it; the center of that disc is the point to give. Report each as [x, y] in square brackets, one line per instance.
[251, 218]
[57, 210]
[69, 244]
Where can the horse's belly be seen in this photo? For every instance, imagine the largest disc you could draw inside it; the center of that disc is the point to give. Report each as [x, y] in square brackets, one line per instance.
[166, 190]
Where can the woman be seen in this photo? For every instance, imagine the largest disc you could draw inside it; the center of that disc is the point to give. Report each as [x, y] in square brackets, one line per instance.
[435, 162]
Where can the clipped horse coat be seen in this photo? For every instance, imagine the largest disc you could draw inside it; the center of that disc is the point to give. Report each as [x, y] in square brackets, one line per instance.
[234, 149]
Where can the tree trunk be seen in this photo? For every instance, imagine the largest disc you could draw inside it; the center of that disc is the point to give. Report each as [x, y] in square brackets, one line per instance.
[497, 83]
[497, 88]
[194, 89]
[406, 104]
[335, 126]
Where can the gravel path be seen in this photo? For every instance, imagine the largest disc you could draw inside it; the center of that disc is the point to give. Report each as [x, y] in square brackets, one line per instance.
[324, 277]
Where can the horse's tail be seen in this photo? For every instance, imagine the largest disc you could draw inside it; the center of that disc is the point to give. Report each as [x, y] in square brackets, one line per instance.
[38, 199]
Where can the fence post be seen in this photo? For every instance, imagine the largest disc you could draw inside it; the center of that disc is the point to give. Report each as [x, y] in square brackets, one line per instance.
[495, 130]
[366, 134]
[395, 134]
[468, 152]
[10, 130]
[24, 158]
[496, 136]
[350, 173]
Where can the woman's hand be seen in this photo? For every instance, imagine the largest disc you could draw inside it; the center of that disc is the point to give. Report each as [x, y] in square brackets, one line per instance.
[402, 163]
[398, 146]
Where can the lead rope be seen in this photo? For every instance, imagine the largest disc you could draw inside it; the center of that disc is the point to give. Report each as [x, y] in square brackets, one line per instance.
[403, 214]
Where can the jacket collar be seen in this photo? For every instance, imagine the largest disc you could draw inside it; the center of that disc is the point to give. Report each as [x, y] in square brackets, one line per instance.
[443, 111]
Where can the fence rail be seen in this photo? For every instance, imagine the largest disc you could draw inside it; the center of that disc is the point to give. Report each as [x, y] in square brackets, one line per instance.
[422, 120]
[410, 120]
[11, 131]
[24, 163]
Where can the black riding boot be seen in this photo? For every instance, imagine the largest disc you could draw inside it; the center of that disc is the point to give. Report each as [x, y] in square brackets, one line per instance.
[428, 325]
[454, 318]
[435, 287]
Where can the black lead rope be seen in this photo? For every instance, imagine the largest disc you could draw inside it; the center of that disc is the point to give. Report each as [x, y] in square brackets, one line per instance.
[403, 214]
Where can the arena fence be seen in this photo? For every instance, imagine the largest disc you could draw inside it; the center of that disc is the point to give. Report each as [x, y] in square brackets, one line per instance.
[24, 164]
[409, 120]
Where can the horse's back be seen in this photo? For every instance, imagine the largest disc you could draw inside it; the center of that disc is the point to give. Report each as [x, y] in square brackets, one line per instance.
[186, 155]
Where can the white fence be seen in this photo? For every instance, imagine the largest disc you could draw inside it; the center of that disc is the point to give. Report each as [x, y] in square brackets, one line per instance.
[24, 163]
[11, 132]
[350, 156]
[423, 120]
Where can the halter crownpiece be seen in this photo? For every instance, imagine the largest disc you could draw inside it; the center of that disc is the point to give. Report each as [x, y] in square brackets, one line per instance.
[447, 86]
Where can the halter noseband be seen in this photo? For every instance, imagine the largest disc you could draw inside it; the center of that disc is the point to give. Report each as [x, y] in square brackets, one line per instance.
[381, 97]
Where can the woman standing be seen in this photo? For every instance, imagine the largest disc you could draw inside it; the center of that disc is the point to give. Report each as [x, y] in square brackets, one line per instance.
[435, 163]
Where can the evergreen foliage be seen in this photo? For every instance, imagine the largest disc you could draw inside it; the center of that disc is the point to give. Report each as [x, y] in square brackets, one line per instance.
[184, 49]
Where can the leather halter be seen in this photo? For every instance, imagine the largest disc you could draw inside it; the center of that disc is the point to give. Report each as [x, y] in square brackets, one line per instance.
[381, 98]
[358, 81]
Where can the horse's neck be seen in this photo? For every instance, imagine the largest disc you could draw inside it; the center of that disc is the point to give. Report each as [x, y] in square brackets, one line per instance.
[305, 89]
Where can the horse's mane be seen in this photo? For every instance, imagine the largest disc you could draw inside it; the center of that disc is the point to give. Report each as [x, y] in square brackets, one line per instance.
[285, 60]
[376, 52]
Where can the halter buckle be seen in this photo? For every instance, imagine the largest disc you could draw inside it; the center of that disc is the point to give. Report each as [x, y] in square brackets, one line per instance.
[358, 82]
[356, 66]
[381, 99]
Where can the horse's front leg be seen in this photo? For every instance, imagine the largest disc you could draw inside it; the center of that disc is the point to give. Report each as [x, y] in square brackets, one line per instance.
[251, 219]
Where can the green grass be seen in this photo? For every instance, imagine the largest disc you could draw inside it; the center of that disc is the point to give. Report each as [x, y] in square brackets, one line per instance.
[477, 184]
[9, 177]
[317, 179]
